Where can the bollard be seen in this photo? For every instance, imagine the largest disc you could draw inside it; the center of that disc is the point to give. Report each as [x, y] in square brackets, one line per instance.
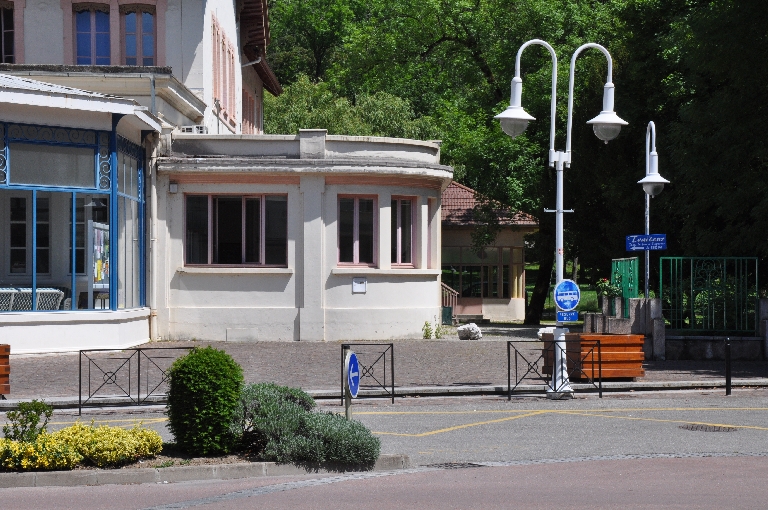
[727, 366]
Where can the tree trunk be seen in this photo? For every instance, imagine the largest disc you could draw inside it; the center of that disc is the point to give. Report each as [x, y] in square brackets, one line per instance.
[575, 273]
[541, 290]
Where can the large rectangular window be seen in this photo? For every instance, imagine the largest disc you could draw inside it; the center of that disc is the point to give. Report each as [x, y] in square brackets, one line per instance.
[92, 34]
[237, 230]
[402, 231]
[492, 273]
[356, 230]
[53, 165]
[7, 51]
[224, 73]
[138, 35]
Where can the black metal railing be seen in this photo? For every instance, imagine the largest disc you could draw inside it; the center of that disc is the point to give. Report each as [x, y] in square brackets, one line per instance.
[585, 363]
[373, 367]
[135, 374]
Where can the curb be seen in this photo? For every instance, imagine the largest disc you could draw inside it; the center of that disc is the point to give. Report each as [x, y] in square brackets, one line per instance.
[427, 391]
[176, 474]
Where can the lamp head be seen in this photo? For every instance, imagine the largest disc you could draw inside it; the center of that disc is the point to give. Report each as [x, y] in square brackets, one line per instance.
[653, 183]
[607, 125]
[514, 120]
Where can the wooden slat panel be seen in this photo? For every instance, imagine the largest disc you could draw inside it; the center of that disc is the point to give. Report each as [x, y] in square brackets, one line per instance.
[5, 379]
[5, 349]
[616, 356]
[5, 369]
[5, 389]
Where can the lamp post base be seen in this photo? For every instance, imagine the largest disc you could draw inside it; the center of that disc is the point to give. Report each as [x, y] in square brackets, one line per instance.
[560, 395]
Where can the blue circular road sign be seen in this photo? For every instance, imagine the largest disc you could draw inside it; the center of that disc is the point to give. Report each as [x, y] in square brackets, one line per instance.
[352, 368]
[567, 295]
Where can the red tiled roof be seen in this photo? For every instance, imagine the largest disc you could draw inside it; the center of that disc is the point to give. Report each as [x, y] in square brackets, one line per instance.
[459, 202]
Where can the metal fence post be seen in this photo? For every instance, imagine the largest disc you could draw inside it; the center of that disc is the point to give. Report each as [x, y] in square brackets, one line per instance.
[728, 366]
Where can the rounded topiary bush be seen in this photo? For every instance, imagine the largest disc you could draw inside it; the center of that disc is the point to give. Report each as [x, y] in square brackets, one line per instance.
[204, 389]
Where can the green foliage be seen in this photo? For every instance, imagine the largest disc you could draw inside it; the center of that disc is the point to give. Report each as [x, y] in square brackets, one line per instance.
[426, 330]
[606, 288]
[45, 452]
[24, 423]
[440, 330]
[276, 423]
[105, 446]
[204, 388]
[307, 105]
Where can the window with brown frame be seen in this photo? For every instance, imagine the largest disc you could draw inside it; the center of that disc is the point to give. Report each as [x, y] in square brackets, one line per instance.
[138, 22]
[402, 231]
[224, 73]
[357, 221]
[236, 230]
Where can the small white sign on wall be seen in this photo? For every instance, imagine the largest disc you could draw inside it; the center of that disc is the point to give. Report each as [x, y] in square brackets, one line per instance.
[359, 285]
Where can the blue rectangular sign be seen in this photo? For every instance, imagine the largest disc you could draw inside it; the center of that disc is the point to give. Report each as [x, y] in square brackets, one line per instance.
[643, 242]
[567, 316]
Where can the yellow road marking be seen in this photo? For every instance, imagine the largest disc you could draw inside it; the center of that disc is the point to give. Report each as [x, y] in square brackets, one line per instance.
[125, 420]
[466, 425]
[598, 415]
[492, 411]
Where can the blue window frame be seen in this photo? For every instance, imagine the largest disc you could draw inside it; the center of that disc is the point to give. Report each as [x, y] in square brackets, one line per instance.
[43, 212]
[92, 35]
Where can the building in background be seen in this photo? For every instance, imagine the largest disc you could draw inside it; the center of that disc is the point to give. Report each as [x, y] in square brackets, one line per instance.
[489, 284]
[195, 224]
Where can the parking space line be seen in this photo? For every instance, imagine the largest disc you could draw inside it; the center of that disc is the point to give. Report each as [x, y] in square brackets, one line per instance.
[464, 426]
[685, 422]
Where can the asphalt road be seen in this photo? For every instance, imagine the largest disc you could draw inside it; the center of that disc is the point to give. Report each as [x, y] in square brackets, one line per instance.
[659, 450]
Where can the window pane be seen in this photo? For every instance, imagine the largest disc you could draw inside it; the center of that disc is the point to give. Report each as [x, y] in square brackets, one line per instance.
[451, 254]
[276, 230]
[102, 45]
[18, 261]
[405, 231]
[147, 23]
[394, 213]
[83, 21]
[52, 165]
[228, 224]
[197, 230]
[365, 243]
[148, 61]
[84, 46]
[130, 23]
[102, 21]
[7, 15]
[252, 226]
[147, 45]
[18, 235]
[18, 209]
[346, 230]
[130, 46]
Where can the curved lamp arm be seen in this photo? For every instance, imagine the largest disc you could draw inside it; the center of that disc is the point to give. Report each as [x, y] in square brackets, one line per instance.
[517, 90]
[607, 94]
[649, 147]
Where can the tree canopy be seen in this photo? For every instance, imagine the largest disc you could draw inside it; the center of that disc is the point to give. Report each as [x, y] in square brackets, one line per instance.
[441, 69]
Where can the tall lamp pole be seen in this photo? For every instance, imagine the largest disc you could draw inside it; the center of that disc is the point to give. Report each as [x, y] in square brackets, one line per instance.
[514, 120]
[653, 184]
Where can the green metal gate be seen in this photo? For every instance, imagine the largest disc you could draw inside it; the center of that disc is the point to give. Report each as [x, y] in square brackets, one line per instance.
[709, 294]
[624, 274]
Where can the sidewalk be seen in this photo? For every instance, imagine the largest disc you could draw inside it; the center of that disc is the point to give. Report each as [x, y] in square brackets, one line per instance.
[432, 365]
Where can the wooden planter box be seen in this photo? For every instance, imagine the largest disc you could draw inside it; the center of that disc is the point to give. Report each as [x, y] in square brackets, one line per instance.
[622, 355]
[5, 369]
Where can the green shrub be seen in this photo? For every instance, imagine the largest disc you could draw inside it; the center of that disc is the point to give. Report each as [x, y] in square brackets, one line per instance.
[275, 423]
[110, 446]
[204, 388]
[343, 441]
[25, 424]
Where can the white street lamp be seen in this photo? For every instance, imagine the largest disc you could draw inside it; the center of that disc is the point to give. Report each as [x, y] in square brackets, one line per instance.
[514, 120]
[653, 184]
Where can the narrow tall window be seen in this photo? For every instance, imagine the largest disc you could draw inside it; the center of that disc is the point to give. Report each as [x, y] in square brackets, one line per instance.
[7, 50]
[18, 240]
[356, 230]
[92, 35]
[139, 35]
[402, 231]
[237, 230]
[224, 73]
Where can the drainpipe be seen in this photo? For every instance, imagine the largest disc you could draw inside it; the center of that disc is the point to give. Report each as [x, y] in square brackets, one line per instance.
[153, 237]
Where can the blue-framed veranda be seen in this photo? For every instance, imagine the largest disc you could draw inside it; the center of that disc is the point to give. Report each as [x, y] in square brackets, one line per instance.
[100, 176]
